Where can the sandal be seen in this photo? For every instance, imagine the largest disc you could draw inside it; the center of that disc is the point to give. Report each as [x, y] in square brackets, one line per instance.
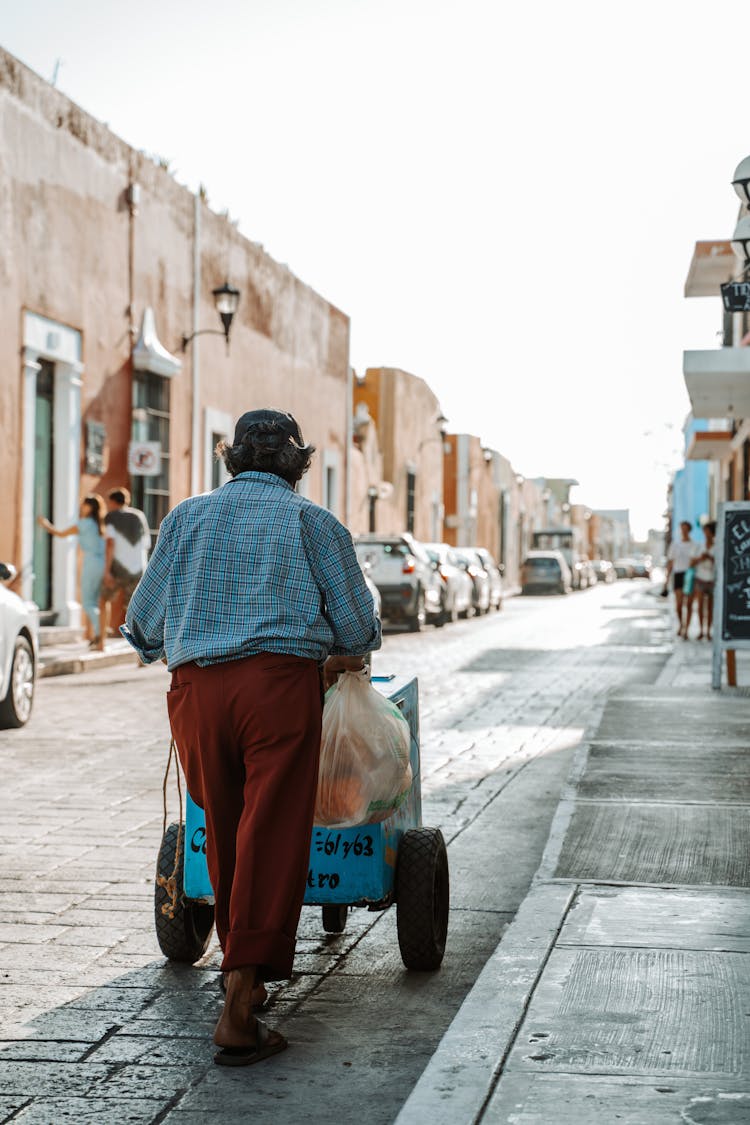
[267, 1043]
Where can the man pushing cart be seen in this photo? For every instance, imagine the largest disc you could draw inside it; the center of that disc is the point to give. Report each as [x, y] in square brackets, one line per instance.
[252, 590]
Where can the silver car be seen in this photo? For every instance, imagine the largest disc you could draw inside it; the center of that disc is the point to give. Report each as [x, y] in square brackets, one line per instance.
[19, 631]
[495, 572]
[470, 562]
[403, 573]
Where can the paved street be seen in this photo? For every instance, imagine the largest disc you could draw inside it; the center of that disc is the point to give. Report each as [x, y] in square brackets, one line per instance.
[98, 1028]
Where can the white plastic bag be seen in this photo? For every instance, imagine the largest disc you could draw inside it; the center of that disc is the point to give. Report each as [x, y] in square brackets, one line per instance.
[364, 772]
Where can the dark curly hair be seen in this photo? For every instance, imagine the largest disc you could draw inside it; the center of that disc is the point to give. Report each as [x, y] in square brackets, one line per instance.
[266, 448]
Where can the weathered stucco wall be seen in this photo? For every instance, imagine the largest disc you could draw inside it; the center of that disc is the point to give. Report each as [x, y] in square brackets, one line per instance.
[67, 238]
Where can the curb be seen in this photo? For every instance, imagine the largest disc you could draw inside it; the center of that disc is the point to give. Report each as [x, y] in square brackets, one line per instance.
[461, 1076]
[83, 662]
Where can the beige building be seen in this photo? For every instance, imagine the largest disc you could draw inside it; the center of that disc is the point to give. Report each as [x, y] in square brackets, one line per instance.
[399, 431]
[106, 263]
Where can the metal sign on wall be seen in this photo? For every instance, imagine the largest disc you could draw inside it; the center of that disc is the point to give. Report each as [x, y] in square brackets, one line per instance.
[144, 458]
[736, 296]
[732, 587]
[96, 437]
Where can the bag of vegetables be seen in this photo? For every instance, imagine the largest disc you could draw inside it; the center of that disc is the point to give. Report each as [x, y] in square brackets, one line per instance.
[364, 772]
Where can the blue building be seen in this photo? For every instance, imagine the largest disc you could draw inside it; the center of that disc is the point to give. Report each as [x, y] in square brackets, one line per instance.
[691, 487]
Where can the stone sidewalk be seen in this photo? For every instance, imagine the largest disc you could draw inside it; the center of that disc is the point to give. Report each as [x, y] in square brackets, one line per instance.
[621, 991]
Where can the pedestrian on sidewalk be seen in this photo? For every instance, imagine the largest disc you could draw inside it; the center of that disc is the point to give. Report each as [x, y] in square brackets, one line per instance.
[90, 531]
[252, 590]
[127, 542]
[705, 576]
[680, 554]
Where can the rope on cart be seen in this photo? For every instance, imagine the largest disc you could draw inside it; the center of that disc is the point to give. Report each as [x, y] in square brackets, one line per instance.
[170, 884]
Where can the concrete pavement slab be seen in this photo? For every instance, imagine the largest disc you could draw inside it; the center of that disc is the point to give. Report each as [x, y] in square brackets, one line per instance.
[619, 771]
[590, 1099]
[640, 843]
[651, 917]
[642, 1011]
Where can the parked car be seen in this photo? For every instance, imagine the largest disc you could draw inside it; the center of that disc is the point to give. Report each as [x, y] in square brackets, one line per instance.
[19, 631]
[456, 597]
[582, 575]
[470, 561]
[642, 567]
[545, 572]
[623, 568]
[495, 571]
[604, 570]
[406, 580]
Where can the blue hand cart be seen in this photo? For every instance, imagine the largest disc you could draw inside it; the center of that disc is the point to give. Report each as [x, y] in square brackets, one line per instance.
[399, 860]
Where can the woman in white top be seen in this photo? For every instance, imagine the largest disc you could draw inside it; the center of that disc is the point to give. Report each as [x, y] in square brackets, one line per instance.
[705, 576]
[679, 557]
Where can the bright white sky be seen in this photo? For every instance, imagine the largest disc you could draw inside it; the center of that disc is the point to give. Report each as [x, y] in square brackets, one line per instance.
[503, 197]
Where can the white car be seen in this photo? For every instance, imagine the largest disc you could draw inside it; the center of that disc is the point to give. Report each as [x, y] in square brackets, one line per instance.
[19, 632]
[457, 590]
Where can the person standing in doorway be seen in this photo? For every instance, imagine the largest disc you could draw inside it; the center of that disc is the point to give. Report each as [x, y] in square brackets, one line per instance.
[679, 557]
[127, 542]
[251, 594]
[90, 532]
[705, 577]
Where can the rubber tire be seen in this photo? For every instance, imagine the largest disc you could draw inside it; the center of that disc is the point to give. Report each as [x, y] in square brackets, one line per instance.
[185, 937]
[416, 622]
[422, 898]
[334, 918]
[9, 713]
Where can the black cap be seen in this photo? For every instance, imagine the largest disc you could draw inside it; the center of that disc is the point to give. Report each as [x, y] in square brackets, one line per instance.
[284, 421]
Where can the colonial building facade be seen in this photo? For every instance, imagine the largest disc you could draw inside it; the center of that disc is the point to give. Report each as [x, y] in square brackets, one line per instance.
[106, 263]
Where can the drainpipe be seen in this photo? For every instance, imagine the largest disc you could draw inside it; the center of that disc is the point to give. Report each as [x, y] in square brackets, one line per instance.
[195, 485]
[349, 431]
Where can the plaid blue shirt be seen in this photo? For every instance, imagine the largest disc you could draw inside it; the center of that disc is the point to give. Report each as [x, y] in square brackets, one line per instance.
[251, 567]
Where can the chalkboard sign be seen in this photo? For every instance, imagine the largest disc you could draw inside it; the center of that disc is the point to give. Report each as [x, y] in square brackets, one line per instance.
[735, 574]
[732, 591]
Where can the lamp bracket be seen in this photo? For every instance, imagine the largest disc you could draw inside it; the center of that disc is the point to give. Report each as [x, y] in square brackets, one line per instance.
[187, 340]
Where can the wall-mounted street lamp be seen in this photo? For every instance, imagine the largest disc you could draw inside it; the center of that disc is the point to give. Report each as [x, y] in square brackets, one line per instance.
[373, 492]
[442, 424]
[226, 299]
[741, 240]
[736, 294]
[741, 181]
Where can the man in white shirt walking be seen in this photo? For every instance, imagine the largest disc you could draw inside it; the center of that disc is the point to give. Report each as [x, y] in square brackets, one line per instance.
[681, 553]
[127, 542]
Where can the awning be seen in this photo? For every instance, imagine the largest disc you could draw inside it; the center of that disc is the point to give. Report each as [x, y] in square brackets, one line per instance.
[149, 354]
[718, 382]
[709, 445]
[713, 263]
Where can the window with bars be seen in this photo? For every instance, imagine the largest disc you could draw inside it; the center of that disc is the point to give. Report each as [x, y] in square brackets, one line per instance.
[411, 488]
[151, 423]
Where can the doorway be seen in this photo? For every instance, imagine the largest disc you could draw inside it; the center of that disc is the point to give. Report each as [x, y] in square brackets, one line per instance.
[44, 483]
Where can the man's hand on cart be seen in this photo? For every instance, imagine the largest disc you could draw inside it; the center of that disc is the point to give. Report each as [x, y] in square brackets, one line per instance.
[334, 665]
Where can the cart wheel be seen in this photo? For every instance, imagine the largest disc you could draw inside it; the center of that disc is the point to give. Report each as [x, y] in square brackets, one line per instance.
[334, 918]
[422, 898]
[184, 937]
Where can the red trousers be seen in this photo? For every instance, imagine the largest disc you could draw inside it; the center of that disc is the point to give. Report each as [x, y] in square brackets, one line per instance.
[248, 736]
